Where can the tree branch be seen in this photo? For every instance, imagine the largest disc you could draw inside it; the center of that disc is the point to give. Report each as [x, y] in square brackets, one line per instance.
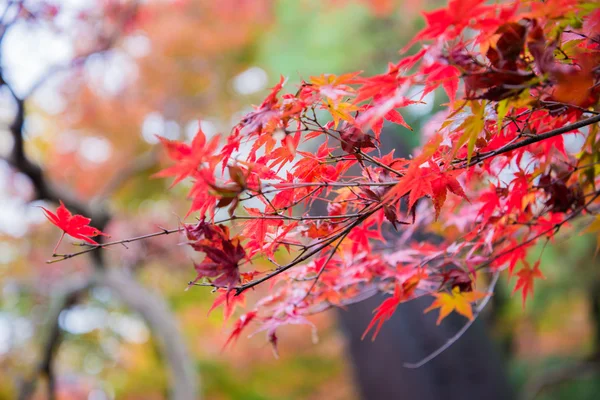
[69, 295]
[534, 139]
[154, 311]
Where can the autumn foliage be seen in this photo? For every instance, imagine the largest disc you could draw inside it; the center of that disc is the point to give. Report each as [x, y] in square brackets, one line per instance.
[301, 183]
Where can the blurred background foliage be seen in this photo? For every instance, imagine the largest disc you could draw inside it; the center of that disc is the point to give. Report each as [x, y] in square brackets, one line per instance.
[182, 62]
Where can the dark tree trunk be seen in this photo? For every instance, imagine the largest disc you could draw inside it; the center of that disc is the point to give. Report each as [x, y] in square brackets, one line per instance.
[470, 369]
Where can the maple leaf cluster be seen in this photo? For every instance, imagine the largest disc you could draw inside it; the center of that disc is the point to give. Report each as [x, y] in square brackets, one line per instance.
[303, 184]
[529, 69]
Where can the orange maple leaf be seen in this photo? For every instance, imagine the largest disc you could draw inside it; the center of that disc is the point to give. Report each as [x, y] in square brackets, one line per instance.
[444, 182]
[417, 181]
[455, 301]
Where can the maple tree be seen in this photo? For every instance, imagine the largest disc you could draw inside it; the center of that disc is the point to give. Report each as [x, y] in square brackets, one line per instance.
[513, 160]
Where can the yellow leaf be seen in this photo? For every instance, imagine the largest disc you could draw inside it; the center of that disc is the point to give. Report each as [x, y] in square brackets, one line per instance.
[331, 79]
[340, 111]
[471, 127]
[455, 301]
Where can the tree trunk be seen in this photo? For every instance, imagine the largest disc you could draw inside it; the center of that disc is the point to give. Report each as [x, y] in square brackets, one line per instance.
[470, 369]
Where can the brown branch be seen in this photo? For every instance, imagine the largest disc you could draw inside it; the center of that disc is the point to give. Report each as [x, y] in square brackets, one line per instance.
[68, 297]
[92, 248]
[153, 310]
[533, 139]
[331, 255]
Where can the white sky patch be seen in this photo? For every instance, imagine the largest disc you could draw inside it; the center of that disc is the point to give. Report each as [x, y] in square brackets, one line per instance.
[82, 319]
[172, 130]
[35, 126]
[98, 394]
[48, 96]
[15, 214]
[14, 331]
[191, 128]
[137, 45]
[250, 81]
[95, 149]
[154, 124]
[209, 128]
[419, 110]
[574, 142]
[109, 73]
[27, 52]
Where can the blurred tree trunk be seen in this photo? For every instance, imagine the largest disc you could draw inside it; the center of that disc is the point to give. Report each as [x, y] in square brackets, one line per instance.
[470, 369]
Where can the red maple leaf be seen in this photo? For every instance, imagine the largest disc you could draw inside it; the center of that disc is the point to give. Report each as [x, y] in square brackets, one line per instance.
[526, 277]
[384, 312]
[379, 86]
[444, 182]
[239, 326]
[76, 226]
[450, 21]
[230, 302]
[188, 158]
[386, 309]
[223, 255]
